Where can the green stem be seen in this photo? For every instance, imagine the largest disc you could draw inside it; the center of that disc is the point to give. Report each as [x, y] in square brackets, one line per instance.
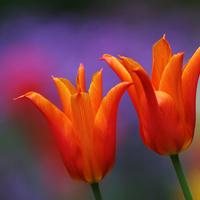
[181, 177]
[96, 191]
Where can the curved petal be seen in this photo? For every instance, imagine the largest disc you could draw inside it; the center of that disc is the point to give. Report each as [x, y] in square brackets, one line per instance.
[162, 132]
[62, 130]
[190, 78]
[83, 122]
[124, 76]
[65, 90]
[171, 82]
[80, 79]
[95, 91]
[148, 89]
[161, 55]
[104, 136]
[131, 65]
[67, 84]
[117, 67]
[160, 124]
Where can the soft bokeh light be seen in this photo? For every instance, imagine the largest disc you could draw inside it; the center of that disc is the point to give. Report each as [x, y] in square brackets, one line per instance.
[38, 41]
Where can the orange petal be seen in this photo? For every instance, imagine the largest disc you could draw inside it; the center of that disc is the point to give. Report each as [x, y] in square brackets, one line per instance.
[83, 122]
[123, 74]
[62, 130]
[161, 55]
[190, 78]
[80, 79]
[162, 131]
[130, 64]
[95, 91]
[104, 138]
[118, 67]
[171, 82]
[148, 89]
[67, 84]
[137, 88]
[65, 90]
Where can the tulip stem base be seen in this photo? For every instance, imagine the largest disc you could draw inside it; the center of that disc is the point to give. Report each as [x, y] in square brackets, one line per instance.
[181, 177]
[96, 191]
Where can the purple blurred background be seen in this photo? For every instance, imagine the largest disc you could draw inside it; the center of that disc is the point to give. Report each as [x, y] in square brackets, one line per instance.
[40, 39]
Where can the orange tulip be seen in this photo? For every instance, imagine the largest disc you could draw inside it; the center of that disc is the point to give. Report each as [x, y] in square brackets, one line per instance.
[166, 103]
[85, 131]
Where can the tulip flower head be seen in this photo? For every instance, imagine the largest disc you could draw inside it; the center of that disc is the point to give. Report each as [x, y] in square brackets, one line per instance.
[85, 131]
[166, 103]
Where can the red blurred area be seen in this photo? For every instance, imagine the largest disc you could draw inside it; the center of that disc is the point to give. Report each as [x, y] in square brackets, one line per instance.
[25, 68]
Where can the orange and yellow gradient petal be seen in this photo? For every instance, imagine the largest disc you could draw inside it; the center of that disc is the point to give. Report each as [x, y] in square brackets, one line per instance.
[85, 131]
[166, 103]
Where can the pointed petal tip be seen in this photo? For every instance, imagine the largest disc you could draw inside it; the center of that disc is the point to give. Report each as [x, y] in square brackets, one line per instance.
[101, 70]
[20, 97]
[23, 96]
[53, 78]
[81, 65]
[164, 36]
[104, 56]
[80, 79]
[179, 55]
[162, 39]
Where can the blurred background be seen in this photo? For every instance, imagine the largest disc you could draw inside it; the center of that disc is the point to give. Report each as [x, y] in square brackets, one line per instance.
[43, 38]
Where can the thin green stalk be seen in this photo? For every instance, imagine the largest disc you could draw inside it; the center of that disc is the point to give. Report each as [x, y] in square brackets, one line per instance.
[181, 177]
[96, 191]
